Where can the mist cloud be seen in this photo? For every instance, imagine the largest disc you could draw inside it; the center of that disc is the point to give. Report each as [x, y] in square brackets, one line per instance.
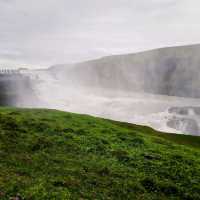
[61, 31]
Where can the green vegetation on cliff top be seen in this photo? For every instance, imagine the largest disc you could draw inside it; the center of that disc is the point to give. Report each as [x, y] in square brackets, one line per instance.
[47, 154]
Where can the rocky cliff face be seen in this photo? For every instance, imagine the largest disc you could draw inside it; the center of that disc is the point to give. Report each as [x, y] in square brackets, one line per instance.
[16, 90]
[173, 71]
[158, 88]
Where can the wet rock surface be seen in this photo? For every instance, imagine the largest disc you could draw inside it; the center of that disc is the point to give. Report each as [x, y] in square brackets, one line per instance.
[185, 119]
[185, 110]
[16, 90]
[171, 71]
[185, 125]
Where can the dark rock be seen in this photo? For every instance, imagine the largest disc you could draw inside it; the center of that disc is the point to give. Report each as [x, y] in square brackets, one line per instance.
[185, 125]
[185, 110]
[16, 90]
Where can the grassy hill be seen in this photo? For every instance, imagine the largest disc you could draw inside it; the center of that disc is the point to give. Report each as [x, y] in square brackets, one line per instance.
[46, 154]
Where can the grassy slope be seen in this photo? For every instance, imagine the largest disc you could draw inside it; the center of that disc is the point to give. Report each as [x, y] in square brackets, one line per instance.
[55, 155]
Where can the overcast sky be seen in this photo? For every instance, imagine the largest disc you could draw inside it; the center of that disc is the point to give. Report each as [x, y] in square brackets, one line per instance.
[47, 32]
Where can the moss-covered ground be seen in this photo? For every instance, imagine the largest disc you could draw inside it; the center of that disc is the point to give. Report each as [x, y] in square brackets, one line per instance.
[48, 154]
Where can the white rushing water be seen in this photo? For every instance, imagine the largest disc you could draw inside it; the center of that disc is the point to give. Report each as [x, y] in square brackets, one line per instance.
[139, 108]
[159, 88]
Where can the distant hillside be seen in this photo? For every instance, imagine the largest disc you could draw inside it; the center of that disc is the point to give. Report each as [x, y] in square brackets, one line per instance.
[47, 154]
[171, 71]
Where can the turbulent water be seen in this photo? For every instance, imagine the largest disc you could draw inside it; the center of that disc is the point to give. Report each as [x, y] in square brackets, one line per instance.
[159, 88]
[157, 111]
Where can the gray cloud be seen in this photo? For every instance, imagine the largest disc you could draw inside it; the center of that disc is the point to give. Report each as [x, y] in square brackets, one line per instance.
[60, 31]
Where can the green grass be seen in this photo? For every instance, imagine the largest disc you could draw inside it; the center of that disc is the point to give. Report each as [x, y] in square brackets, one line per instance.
[46, 154]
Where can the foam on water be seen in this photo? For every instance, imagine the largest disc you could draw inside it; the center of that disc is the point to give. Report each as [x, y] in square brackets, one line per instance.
[139, 108]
